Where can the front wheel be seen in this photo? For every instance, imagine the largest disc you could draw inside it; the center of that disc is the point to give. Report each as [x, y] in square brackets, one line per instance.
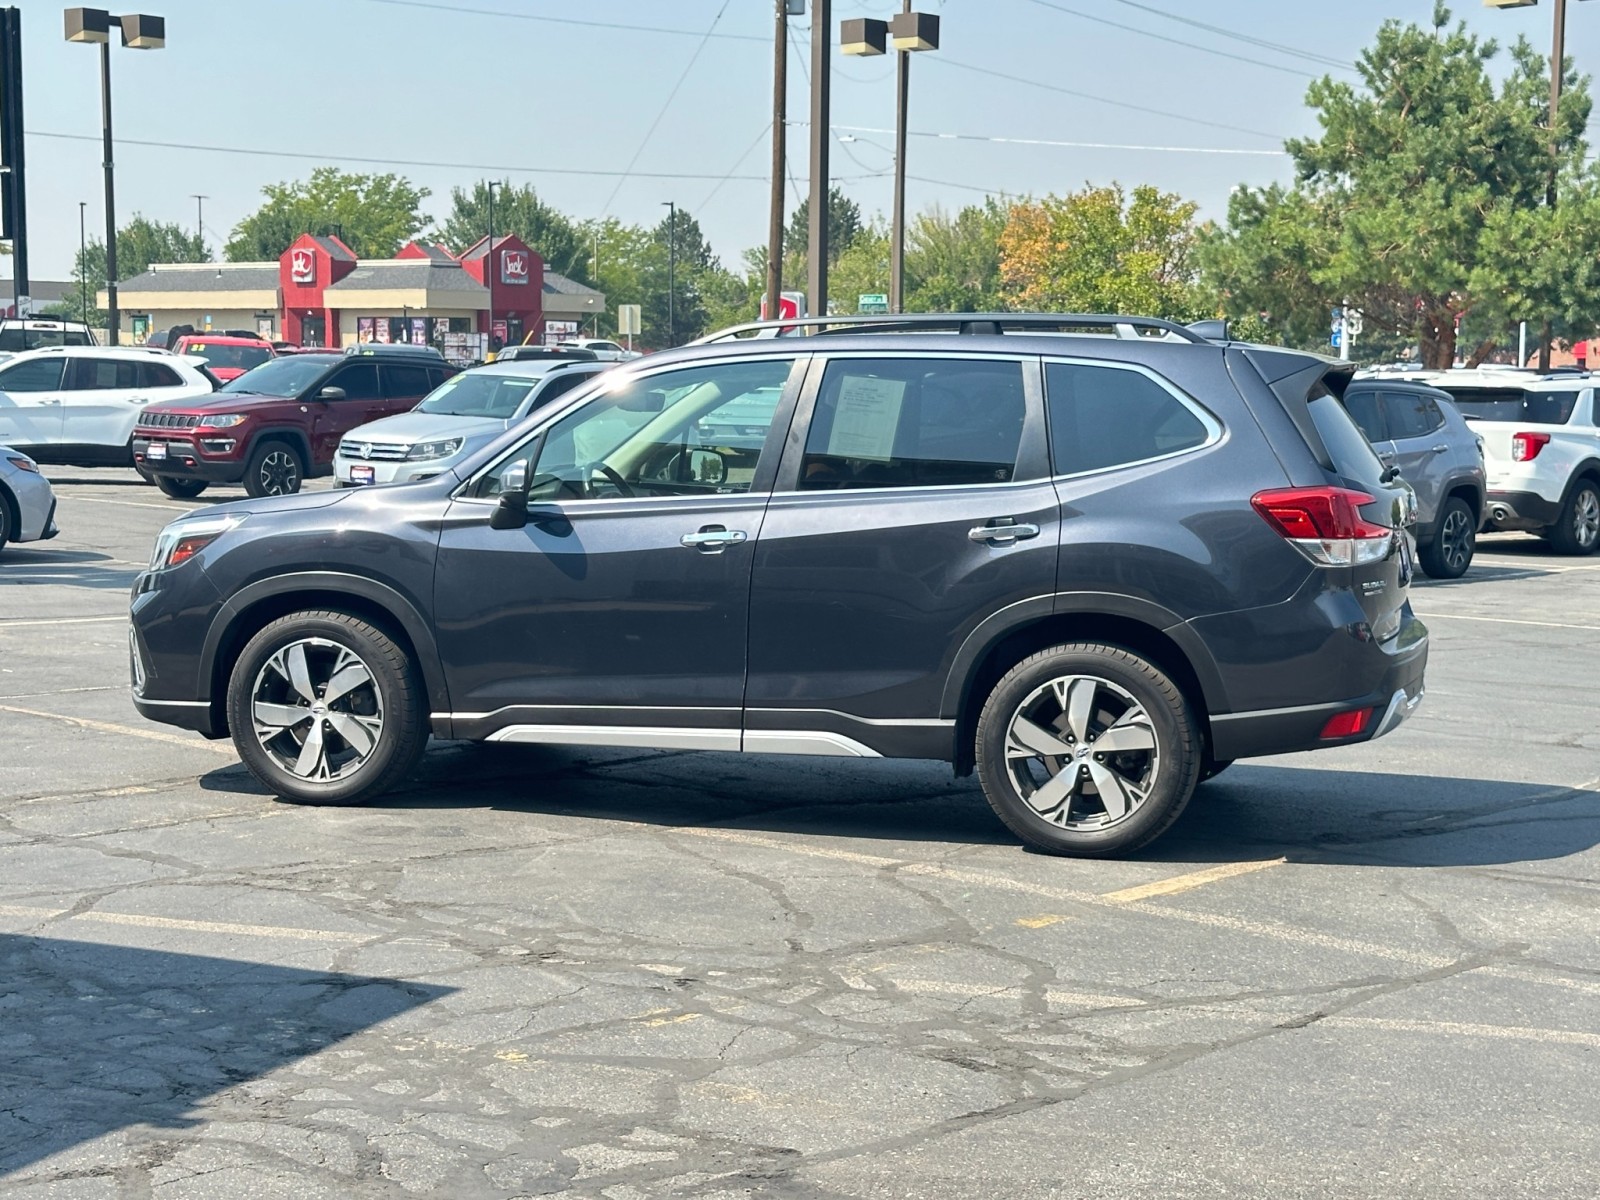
[1454, 542]
[1088, 750]
[180, 489]
[326, 708]
[1578, 530]
[275, 469]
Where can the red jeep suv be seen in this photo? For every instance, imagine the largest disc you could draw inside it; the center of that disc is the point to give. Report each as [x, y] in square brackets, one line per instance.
[275, 425]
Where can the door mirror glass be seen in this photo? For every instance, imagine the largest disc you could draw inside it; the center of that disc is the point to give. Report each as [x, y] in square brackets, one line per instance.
[331, 393]
[515, 478]
[707, 466]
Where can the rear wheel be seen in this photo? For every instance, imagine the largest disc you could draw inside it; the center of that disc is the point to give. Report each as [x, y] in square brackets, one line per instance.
[275, 469]
[1578, 530]
[6, 532]
[1087, 750]
[326, 708]
[180, 489]
[1455, 540]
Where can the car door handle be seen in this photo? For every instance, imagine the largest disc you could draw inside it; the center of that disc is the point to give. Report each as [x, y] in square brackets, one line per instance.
[138, 399]
[1439, 449]
[714, 538]
[1002, 532]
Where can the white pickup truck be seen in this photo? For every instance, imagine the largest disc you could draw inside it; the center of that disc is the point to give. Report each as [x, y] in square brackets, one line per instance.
[1541, 446]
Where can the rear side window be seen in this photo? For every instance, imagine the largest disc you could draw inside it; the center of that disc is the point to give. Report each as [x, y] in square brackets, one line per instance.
[76, 337]
[561, 384]
[1411, 414]
[40, 375]
[158, 375]
[1110, 417]
[1351, 455]
[915, 423]
[102, 374]
[402, 383]
[1367, 412]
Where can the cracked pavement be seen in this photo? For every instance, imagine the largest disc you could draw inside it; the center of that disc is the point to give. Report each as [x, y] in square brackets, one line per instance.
[1371, 972]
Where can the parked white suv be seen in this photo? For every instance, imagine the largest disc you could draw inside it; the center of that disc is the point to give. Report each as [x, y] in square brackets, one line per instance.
[1541, 446]
[602, 349]
[77, 405]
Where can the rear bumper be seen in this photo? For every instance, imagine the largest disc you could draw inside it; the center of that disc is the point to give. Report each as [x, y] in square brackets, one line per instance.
[1285, 730]
[1520, 510]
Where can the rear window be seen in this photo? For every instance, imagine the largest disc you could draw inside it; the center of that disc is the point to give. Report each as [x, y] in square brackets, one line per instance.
[1514, 404]
[16, 337]
[1347, 446]
[241, 357]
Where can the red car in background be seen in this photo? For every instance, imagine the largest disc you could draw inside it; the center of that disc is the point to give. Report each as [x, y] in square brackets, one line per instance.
[227, 356]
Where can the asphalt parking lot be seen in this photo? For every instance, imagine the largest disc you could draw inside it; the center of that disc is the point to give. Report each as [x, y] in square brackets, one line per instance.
[543, 972]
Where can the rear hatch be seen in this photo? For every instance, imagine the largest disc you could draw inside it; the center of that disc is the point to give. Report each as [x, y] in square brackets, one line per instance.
[1499, 416]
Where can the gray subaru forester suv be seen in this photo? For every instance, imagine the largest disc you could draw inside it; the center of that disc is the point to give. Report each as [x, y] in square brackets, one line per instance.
[1094, 559]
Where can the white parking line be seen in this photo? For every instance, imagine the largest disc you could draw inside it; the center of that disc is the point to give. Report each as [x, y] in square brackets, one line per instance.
[167, 508]
[30, 623]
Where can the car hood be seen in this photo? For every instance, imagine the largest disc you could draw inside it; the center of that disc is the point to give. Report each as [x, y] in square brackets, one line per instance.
[241, 402]
[262, 505]
[409, 428]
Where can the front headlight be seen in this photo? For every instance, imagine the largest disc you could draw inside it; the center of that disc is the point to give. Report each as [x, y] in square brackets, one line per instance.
[442, 449]
[24, 464]
[183, 539]
[221, 420]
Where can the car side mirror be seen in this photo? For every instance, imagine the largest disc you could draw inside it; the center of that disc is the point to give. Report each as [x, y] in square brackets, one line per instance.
[707, 466]
[511, 510]
[331, 393]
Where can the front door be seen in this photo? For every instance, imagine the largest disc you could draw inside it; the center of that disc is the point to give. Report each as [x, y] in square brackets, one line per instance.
[332, 419]
[30, 402]
[314, 331]
[618, 615]
[917, 505]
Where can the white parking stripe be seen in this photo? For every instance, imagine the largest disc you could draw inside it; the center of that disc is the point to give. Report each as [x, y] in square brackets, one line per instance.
[166, 508]
[30, 624]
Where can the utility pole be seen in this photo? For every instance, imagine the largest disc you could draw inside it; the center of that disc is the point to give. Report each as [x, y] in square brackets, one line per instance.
[672, 271]
[780, 144]
[488, 274]
[200, 218]
[821, 134]
[14, 185]
[1558, 63]
[83, 258]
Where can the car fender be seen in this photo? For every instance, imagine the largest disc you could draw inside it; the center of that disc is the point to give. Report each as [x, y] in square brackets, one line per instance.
[289, 433]
[389, 599]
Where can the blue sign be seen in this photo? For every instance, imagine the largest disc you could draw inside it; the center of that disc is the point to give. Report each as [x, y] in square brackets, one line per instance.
[1337, 337]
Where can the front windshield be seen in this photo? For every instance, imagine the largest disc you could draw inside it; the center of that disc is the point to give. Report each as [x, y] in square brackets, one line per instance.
[283, 377]
[480, 395]
[1515, 405]
[242, 357]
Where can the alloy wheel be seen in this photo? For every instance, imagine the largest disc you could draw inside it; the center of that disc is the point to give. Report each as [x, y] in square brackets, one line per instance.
[317, 710]
[1586, 518]
[1082, 753]
[279, 474]
[1456, 541]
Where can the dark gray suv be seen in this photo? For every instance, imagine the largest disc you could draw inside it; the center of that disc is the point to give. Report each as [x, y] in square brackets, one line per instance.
[1093, 558]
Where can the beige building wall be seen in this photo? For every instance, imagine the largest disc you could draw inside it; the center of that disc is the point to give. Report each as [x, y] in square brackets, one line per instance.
[165, 316]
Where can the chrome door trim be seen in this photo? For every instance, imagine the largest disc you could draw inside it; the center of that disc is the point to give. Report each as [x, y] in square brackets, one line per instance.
[805, 741]
[639, 737]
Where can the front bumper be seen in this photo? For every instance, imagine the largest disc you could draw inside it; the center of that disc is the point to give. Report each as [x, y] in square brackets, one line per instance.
[169, 614]
[361, 472]
[185, 459]
[1520, 510]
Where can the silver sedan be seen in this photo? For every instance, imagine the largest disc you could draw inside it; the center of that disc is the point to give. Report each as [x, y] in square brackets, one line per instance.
[27, 505]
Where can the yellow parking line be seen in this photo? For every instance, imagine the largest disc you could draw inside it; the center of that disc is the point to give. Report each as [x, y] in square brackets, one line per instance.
[125, 730]
[1443, 616]
[140, 920]
[1042, 921]
[1566, 1037]
[1187, 883]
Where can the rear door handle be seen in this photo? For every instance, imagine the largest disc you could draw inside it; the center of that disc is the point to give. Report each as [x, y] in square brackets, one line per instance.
[1003, 531]
[1439, 449]
[713, 539]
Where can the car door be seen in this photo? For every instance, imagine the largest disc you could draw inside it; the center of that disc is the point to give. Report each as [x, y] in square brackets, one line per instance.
[101, 401]
[30, 402]
[913, 503]
[1418, 446]
[618, 614]
[332, 419]
[404, 386]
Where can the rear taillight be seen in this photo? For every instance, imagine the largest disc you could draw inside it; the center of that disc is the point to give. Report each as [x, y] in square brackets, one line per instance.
[1525, 447]
[1325, 524]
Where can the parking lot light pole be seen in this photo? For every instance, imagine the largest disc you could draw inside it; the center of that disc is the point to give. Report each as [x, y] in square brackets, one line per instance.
[672, 270]
[488, 272]
[139, 32]
[83, 259]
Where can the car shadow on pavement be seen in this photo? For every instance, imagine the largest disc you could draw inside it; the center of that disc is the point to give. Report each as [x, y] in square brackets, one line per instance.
[97, 1038]
[1265, 810]
[36, 567]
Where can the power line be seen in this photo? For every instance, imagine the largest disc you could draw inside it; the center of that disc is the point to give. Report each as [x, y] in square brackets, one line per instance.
[517, 16]
[1161, 37]
[945, 61]
[1235, 35]
[739, 162]
[671, 96]
[1016, 141]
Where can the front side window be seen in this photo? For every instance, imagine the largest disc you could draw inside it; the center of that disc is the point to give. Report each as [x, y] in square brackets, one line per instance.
[37, 375]
[359, 381]
[1104, 417]
[1411, 415]
[696, 431]
[1366, 411]
[914, 422]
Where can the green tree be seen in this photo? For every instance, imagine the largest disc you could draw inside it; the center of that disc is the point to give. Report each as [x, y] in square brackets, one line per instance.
[953, 262]
[1099, 250]
[139, 243]
[844, 226]
[1416, 201]
[862, 269]
[372, 214]
[557, 238]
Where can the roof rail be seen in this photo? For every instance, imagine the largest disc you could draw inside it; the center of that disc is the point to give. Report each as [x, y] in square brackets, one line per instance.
[975, 324]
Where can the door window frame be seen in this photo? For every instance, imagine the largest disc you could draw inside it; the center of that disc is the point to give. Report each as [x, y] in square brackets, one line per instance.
[1033, 462]
[1216, 431]
[61, 376]
[1377, 395]
[1390, 420]
[775, 449]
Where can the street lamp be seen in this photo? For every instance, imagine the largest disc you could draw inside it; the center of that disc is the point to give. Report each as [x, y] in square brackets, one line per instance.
[200, 218]
[672, 270]
[910, 32]
[488, 271]
[139, 32]
[83, 260]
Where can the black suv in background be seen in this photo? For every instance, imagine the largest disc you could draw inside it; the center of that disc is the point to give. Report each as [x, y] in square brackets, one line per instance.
[1093, 558]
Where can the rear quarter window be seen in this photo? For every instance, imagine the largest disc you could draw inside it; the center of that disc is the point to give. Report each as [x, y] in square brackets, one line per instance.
[1347, 446]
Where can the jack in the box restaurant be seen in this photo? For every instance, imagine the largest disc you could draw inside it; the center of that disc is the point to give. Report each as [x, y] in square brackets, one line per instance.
[320, 294]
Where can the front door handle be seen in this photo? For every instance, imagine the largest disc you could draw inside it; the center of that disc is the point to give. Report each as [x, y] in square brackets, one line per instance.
[1439, 449]
[713, 539]
[1003, 531]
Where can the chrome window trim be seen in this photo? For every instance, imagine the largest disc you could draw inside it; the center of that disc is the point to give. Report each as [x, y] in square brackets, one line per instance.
[1216, 432]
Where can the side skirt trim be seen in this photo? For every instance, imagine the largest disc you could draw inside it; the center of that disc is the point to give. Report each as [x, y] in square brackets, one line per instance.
[643, 737]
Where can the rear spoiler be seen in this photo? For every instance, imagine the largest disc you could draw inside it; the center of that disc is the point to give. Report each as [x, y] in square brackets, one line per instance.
[1296, 378]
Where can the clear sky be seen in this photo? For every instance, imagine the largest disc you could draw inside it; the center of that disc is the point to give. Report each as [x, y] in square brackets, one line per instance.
[514, 88]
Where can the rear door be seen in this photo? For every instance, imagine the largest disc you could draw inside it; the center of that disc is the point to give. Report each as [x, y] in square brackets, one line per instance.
[404, 386]
[1418, 446]
[913, 502]
[101, 402]
[30, 402]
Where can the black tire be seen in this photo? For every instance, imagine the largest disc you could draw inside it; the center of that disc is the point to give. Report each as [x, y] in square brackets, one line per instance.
[1455, 541]
[275, 469]
[1577, 532]
[392, 695]
[1166, 773]
[5, 518]
[180, 489]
